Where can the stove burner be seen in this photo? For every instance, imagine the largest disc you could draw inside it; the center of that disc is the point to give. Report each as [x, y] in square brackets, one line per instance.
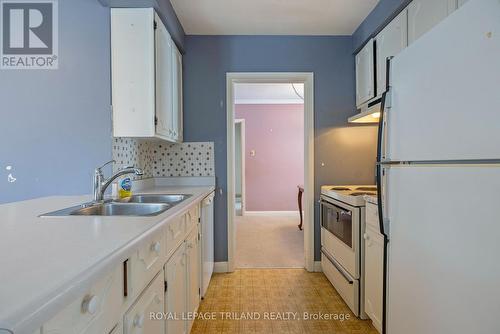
[366, 188]
[363, 193]
[339, 188]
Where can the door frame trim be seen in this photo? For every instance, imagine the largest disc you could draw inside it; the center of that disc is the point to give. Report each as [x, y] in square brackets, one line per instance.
[307, 78]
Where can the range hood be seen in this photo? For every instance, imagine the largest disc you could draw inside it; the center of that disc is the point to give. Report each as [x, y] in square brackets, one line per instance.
[370, 113]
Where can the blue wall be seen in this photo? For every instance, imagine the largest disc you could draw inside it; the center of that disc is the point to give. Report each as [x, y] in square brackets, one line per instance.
[348, 153]
[55, 125]
[381, 14]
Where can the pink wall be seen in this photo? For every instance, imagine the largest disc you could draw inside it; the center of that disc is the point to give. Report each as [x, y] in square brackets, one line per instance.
[276, 133]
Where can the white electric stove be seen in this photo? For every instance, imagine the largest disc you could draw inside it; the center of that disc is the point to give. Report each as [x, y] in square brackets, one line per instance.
[342, 246]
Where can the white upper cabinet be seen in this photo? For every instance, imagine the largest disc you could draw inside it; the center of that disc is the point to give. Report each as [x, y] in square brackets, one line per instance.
[425, 14]
[177, 93]
[164, 83]
[365, 74]
[145, 89]
[389, 42]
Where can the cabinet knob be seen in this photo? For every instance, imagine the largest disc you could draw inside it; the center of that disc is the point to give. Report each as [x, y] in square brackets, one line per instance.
[89, 304]
[139, 321]
[156, 247]
[366, 236]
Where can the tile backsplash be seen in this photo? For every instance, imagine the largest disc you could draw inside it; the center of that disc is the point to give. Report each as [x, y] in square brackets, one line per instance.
[162, 159]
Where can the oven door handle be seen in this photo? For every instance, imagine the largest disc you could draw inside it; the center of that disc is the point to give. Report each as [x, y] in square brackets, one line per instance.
[337, 266]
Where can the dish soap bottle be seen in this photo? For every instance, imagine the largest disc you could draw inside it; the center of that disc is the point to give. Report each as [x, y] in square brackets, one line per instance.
[125, 187]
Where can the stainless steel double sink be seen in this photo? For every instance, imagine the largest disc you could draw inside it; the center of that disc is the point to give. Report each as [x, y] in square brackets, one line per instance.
[136, 205]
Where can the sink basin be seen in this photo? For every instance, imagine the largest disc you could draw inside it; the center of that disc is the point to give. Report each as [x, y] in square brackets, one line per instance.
[122, 209]
[170, 199]
[113, 209]
[136, 205]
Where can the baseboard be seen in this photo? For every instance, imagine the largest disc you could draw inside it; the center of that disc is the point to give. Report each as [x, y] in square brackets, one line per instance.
[272, 213]
[317, 267]
[220, 267]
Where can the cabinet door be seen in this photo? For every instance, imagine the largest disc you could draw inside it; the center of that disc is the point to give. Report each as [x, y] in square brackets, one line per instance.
[423, 15]
[175, 296]
[133, 72]
[138, 319]
[365, 74]
[164, 84]
[177, 94]
[389, 42]
[374, 276]
[193, 273]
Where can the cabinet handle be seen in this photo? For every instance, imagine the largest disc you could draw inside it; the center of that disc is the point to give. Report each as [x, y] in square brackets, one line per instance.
[89, 304]
[156, 247]
[139, 320]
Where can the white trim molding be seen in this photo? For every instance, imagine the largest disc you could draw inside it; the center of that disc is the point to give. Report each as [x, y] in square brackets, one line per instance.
[220, 267]
[307, 78]
[317, 267]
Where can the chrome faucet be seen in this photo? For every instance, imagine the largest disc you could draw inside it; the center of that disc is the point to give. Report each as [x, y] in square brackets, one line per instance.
[100, 184]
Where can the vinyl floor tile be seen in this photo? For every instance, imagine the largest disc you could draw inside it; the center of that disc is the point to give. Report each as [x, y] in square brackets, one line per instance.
[273, 301]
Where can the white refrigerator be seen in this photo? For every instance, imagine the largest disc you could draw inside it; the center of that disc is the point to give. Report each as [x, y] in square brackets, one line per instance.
[439, 178]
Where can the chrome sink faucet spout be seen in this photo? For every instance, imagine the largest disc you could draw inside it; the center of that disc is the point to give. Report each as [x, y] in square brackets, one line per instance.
[101, 184]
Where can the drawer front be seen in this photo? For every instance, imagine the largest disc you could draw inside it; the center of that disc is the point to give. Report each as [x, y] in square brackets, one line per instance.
[174, 234]
[346, 286]
[137, 319]
[97, 311]
[372, 216]
[192, 217]
[145, 263]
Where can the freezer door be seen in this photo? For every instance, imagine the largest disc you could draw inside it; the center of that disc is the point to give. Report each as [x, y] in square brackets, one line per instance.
[445, 102]
[443, 250]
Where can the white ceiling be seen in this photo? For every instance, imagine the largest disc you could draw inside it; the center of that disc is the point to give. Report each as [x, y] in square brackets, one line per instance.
[272, 17]
[268, 93]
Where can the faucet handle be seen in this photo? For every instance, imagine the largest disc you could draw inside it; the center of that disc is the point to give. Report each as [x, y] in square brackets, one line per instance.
[107, 163]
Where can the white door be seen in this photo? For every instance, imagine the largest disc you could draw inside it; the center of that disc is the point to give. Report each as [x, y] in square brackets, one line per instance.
[443, 106]
[164, 84]
[365, 74]
[374, 276]
[138, 320]
[443, 268]
[389, 42]
[423, 15]
[175, 296]
[193, 273]
[177, 94]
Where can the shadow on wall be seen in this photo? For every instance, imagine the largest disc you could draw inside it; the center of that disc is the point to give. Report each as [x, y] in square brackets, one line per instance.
[343, 153]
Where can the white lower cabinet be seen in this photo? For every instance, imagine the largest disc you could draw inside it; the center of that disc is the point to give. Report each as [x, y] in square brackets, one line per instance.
[139, 319]
[374, 276]
[95, 312]
[146, 294]
[176, 292]
[193, 274]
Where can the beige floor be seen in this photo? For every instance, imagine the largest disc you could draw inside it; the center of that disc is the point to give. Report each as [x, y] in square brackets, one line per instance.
[269, 242]
[260, 293]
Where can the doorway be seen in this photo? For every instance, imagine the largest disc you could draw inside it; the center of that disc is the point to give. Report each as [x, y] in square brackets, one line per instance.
[250, 200]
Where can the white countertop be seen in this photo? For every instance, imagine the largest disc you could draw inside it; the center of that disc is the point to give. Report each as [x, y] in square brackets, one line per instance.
[47, 262]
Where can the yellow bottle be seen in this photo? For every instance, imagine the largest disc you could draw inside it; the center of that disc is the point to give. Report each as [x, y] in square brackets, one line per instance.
[125, 187]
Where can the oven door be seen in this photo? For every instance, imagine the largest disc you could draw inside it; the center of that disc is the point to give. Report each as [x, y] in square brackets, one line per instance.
[340, 233]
